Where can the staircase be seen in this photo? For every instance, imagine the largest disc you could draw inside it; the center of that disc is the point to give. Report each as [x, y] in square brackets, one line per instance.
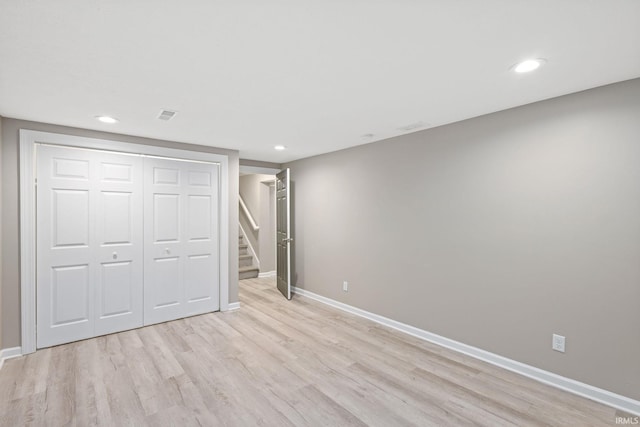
[245, 261]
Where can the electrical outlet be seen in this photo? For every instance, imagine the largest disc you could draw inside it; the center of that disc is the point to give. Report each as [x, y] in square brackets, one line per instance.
[557, 343]
[345, 286]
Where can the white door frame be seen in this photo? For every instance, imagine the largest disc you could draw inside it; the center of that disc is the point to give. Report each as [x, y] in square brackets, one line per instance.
[28, 141]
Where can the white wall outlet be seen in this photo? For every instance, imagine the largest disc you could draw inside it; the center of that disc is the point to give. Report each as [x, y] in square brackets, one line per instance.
[557, 343]
[345, 286]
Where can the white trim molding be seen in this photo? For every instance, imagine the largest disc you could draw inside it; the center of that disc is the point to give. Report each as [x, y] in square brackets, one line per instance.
[233, 306]
[28, 142]
[9, 353]
[27, 242]
[267, 274]
[567, 384]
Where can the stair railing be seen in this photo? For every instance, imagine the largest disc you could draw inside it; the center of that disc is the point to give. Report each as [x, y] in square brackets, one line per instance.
[252, 222]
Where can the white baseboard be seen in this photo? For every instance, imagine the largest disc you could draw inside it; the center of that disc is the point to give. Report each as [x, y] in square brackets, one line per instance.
[9, 353]
[233, 306]
[267, 274]
[581, 389]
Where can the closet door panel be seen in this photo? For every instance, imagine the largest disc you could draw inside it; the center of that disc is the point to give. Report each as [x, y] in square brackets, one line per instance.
[201, 244]
[181, 239]
[164, 234]
[89, 244]
[119, 278]
[65, 259]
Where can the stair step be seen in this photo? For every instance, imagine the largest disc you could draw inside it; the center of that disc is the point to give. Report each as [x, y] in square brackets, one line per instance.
[249, 272]
[245, 260]
[243, 249]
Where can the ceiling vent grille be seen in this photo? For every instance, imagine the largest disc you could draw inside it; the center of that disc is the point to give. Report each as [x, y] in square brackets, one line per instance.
[166, 115]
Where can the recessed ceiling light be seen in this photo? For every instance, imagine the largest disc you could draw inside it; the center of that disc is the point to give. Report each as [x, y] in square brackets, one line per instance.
[107, 119]
[528, 65]
[279, 147]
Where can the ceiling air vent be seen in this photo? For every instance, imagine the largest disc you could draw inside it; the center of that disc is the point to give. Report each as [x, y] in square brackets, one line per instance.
[166, 115]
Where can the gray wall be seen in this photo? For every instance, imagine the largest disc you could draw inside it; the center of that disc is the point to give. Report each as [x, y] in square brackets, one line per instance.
[496, 231]
[250, 192]
[10, 313]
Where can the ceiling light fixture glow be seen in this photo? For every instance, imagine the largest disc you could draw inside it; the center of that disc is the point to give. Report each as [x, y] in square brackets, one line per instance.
[279, 147]
[107, 119]
[528, 65]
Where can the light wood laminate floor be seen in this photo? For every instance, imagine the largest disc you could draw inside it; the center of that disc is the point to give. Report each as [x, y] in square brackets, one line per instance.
[275, 363]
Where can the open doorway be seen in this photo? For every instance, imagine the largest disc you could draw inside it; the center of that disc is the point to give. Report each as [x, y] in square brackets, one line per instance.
[257, 222]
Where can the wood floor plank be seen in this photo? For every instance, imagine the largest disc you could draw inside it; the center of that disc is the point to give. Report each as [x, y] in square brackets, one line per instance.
[275, 362]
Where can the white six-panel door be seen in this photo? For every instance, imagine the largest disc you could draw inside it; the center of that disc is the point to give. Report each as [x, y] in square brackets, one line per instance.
[89, 251]
[122, 241]
[181, 239]
[118, 291]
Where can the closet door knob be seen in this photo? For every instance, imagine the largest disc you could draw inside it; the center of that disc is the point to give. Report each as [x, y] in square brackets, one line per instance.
[115, 255]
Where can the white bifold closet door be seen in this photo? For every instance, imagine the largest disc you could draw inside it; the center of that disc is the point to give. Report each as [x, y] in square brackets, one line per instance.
[89, 244]
[122, 241]
[180, 239]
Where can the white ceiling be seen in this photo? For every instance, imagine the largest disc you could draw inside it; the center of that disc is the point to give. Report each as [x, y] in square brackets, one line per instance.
[312, 75]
